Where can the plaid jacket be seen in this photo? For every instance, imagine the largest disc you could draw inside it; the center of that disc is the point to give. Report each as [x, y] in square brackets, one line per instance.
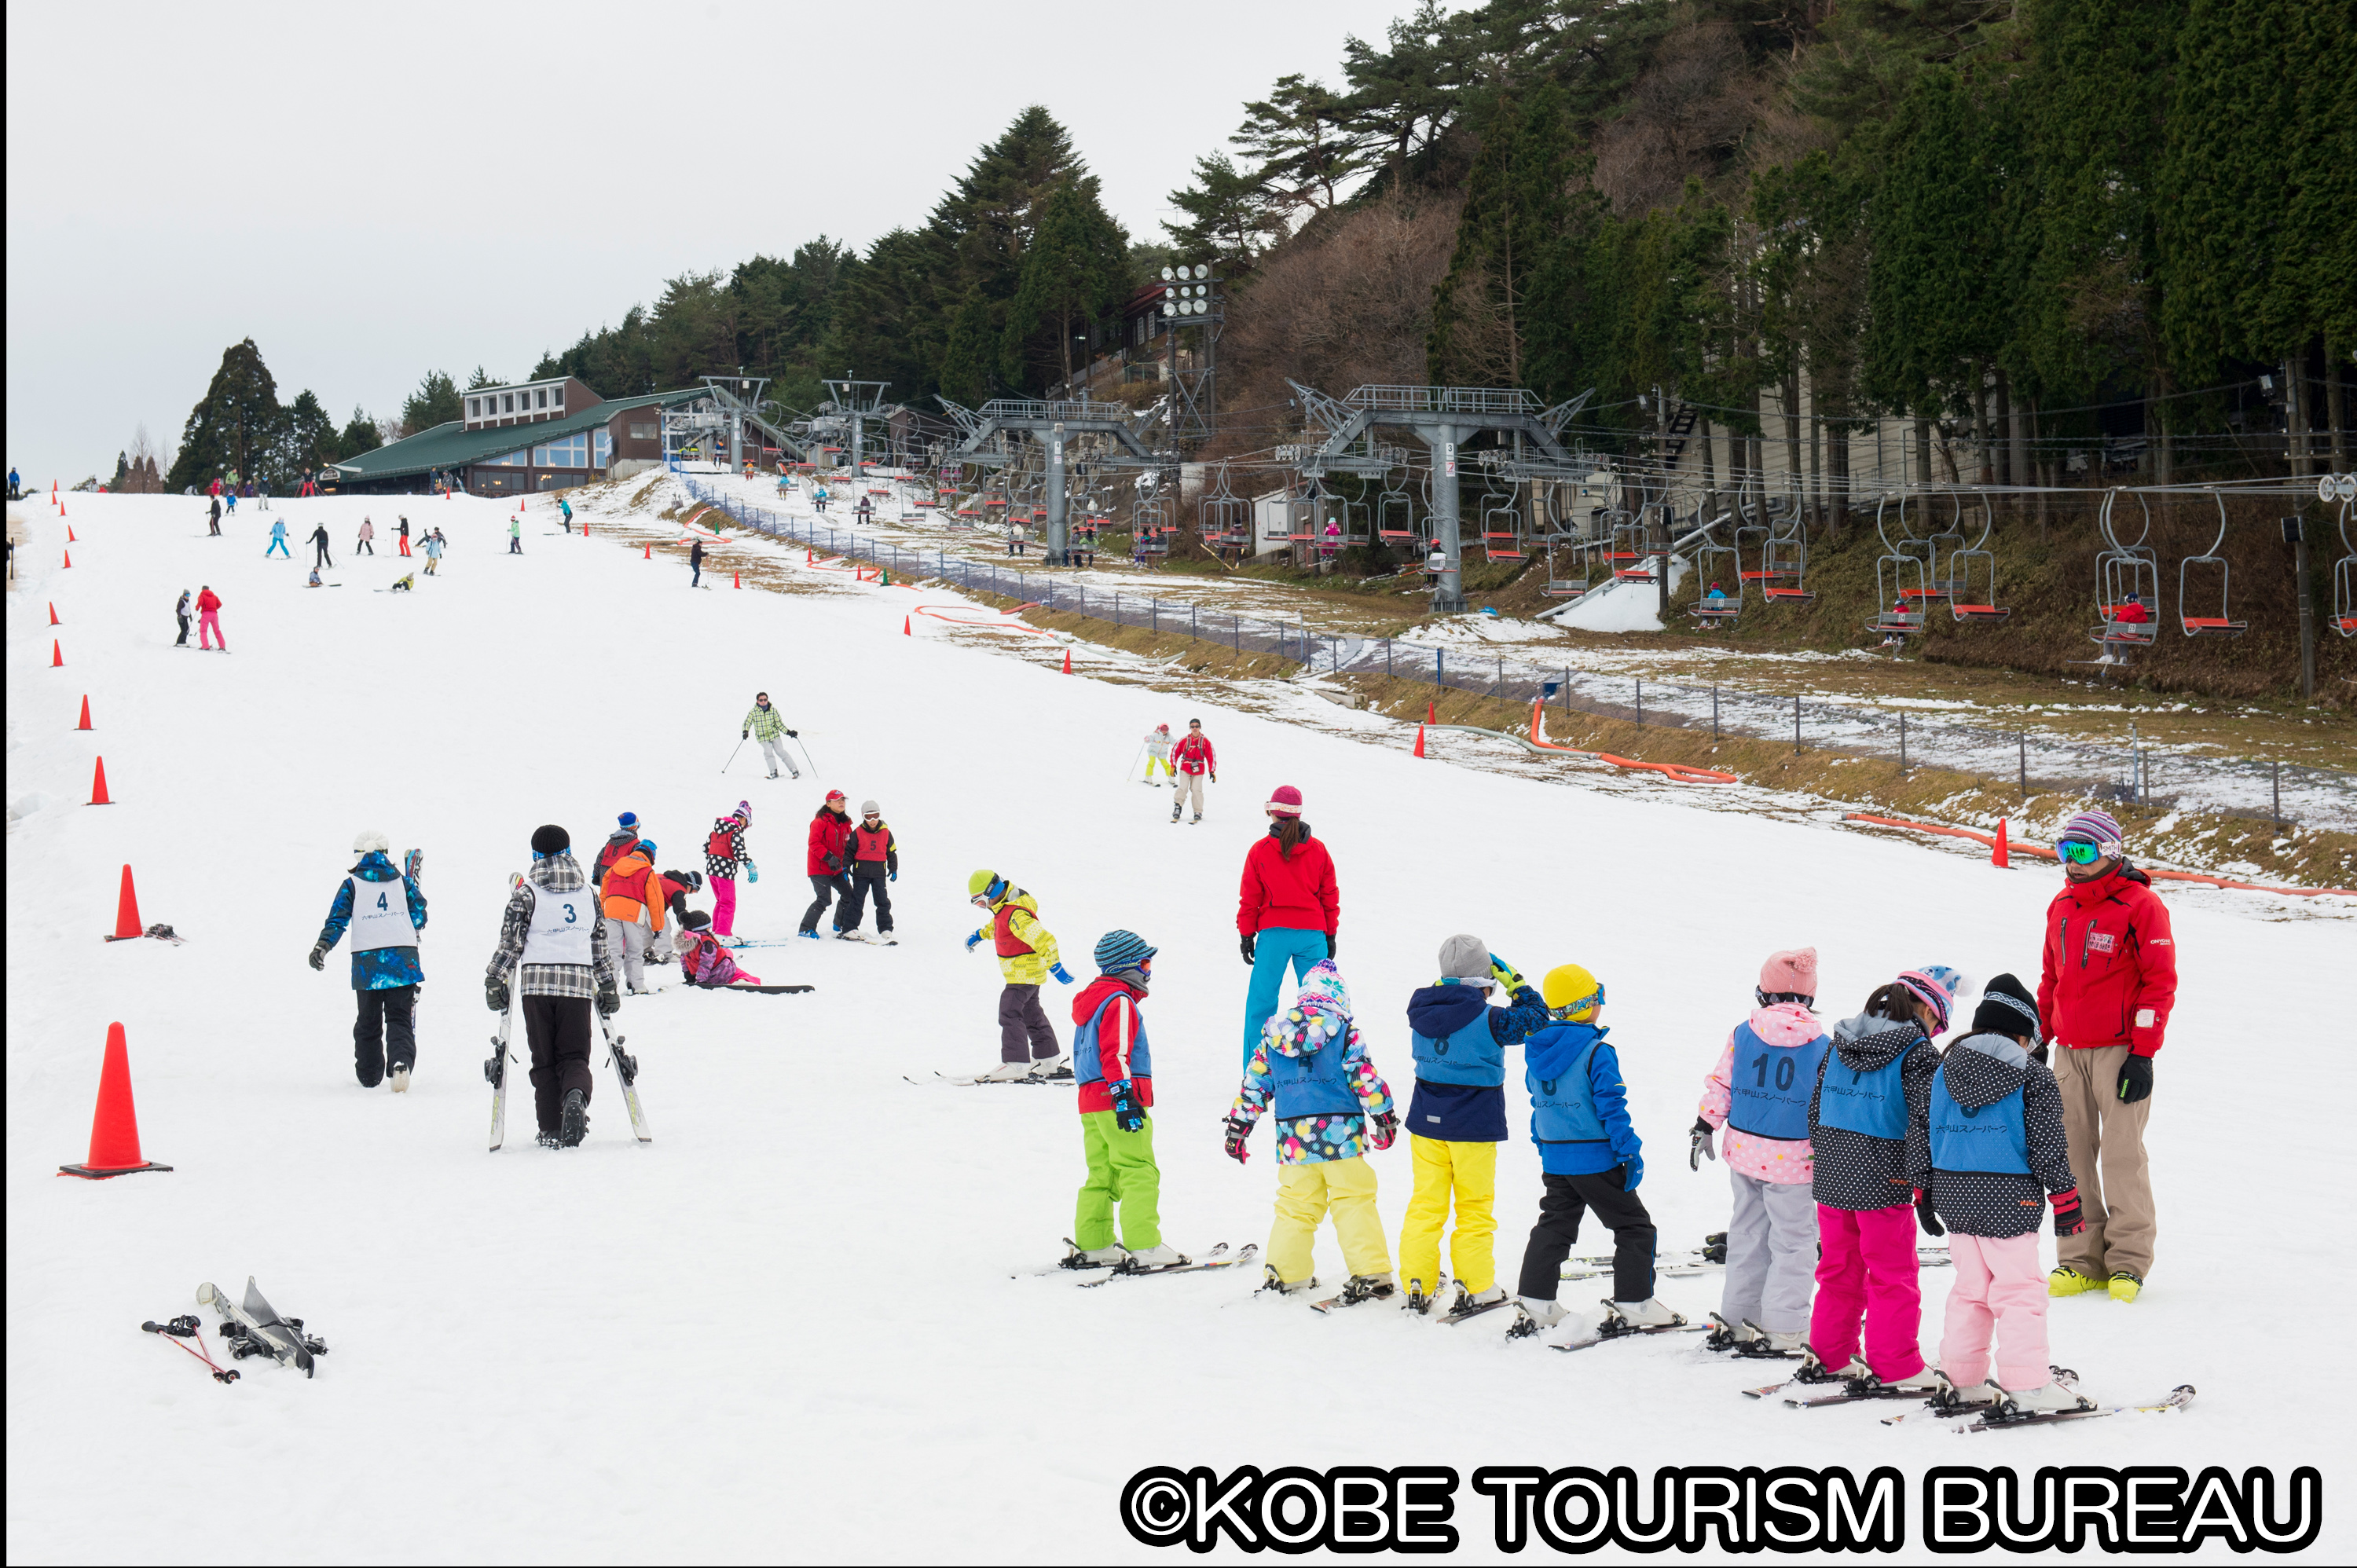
[558, 873]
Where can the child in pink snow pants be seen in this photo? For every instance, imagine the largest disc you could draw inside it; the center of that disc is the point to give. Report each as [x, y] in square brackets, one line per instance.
[1985, 1151]
[722, 851]
[1871, 1088]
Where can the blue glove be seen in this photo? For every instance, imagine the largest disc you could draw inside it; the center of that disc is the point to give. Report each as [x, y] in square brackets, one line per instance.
[1058, 971]
[891, 876]
[971, 941]
[1632, 1171]
[1127, 1113]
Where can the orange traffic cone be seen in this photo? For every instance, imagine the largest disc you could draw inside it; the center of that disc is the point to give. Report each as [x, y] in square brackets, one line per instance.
[56, 655]
[98, 796]
[904, 628]
[1419, 740]
[651, 553]
[69, 558]
[736, 579]
[1068, 662]
[126, 910]
[85, 714]
[69, 535]
[53, 615]
[115, 1130]
[1429, 713]
[1997, 855]
[523, 503]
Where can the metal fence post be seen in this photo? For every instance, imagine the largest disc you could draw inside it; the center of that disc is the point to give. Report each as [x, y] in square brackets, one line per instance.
[1796, 723]
[1902, 742]
[2021, 743]
[1440, 667]
[2275, 790]
[1640, 704]
[1387, 659]
[1714, 714]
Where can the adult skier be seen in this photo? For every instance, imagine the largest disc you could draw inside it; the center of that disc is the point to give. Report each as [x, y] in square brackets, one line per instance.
[619, 843]
[824, 860]
[208, 618]
[1027, 956]
[367, 544]
[1288, 907]
[380, 904]
[564, 509]
[402, 537]
[434, 548]
[551, 930]
[724, 848]
[320, 538]
[278, 529]
[2103, 1000]
[875, 861]
[277, 534]
[1195, 758]
[767, 726]
[695, 579]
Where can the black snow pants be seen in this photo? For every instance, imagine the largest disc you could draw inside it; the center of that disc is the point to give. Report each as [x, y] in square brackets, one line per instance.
[1023, 1023]
[384, 1033]
[828, 889]
[557, 1028]
[1622, 1212]
[184, 633]
[864, 886]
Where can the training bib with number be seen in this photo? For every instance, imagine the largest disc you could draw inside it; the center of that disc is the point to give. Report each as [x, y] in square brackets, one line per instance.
[561, 924]
[380, 915]
[1771, 1085]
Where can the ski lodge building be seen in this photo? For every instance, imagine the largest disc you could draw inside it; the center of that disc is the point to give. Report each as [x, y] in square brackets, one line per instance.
[532, 435]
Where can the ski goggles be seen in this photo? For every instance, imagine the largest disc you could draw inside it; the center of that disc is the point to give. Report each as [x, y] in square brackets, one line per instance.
[1570, 1009]
[2081, 851]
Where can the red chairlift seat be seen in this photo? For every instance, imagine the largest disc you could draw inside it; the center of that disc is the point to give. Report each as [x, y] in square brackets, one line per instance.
[1789, 596]
[1978, 612]
[2213, 626]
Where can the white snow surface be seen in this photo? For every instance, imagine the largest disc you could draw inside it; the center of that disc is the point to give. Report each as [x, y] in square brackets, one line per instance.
[787, 1328]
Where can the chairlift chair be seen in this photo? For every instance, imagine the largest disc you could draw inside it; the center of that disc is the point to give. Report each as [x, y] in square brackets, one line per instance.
[2217, 625]
[1901, 579]
[1501, 526]
[1706, 552]
[1787, 555]
[1629, 560]
[1394, 511]
[1747, 529]
[1942, 548]
[2127, 573]
[1974, 566]
[2344, 571]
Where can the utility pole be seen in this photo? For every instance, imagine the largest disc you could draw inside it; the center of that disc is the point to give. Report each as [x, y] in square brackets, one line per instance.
[2297, 537]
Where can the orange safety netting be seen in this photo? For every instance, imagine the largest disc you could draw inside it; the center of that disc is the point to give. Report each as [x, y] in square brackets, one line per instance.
[1676, 772]
[2017, 847]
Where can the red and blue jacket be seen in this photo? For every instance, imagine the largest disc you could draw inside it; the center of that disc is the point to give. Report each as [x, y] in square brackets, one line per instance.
[1111, 1044]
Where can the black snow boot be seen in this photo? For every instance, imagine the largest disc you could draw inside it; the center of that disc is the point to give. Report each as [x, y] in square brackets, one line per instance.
[575, 1125]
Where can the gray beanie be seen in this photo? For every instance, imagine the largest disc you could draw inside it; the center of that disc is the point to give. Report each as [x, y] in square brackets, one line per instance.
[1466, 959]
[869, 809]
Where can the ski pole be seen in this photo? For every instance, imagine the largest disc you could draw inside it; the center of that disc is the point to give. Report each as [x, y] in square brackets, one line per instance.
[806, 756]
[1133, 762]
[732, 756]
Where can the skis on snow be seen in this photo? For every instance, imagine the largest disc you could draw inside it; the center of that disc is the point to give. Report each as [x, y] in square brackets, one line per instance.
[1218, 1257]
[1608, 1331]
[2177, 1399]
[495, 1072]
[254, 1328]
[626, 1071]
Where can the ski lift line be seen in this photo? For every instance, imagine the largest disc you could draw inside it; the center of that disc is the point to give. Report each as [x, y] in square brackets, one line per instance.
[2017, 846]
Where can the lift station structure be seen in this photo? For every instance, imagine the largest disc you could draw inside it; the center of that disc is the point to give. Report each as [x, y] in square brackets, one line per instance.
[1052, 425]
[728, 405]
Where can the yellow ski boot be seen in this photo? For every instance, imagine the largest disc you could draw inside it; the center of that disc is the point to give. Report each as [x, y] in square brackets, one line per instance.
[2068, 1281]
[2126, 1287]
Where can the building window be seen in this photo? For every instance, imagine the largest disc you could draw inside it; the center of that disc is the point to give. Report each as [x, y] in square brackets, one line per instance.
[566, 451]
[474, 408]
[540, 400]
[507, 402]
[512, 460]
[605, 448]
[560, 397]
[643, 433]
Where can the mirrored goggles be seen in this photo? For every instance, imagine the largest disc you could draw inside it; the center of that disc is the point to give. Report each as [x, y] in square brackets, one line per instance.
[2080, 852]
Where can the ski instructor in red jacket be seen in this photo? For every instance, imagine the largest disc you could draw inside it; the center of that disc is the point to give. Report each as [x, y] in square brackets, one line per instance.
[1287, 909]
[2104, 999]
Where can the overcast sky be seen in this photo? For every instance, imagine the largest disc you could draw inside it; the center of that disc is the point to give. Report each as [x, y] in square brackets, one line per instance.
[371, 193]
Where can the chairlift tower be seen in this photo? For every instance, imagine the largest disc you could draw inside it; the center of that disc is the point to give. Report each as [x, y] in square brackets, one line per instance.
[1442, 418]
[1052, 425]
[730, 403]
[854, 403]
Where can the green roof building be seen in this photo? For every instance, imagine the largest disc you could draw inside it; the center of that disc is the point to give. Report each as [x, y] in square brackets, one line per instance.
[538, 436]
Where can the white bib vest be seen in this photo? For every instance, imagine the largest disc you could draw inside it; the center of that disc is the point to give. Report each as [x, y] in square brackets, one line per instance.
[381, 914]
[561, 924]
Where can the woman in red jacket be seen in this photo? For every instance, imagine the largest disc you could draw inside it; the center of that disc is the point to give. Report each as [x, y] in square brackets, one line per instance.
[825, 863]
[1287, 909]
[209, 619]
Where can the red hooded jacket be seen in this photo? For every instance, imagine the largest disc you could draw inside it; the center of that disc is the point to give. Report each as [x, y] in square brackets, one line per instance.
[1116, 1038]
[829, 832]
[1296, 894]
[2110, 975]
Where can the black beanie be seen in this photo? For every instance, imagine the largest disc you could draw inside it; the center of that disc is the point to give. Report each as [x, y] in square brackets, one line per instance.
[551, 840]
[695, 919]
[2007, 1008]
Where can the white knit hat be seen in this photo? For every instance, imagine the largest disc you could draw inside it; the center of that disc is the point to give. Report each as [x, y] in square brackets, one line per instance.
[371, 842]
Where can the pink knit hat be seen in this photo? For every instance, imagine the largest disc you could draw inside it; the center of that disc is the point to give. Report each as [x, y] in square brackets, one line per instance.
[1791, 973]
[1284, 802]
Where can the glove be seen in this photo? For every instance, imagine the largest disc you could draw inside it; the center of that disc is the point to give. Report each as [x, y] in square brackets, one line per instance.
[608, 999]
[1506, 974]
[973, 940]
[744, 734]
[2067, 1219]
[1058, 971]
[1698, 1148]
[1127, 1113]
[834, 863]
[1926, 1217]
[1383, 1128]
[1329, 944]
[495, 994]
[319, 956]
[1237, 1132]
[794, 735]
[891, 876]
[2136, 1079]
[1248, 947]
[1632, 1171]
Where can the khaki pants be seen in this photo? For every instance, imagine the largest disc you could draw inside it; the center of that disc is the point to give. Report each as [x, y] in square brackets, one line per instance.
[1191, 787]
[2106, 1141]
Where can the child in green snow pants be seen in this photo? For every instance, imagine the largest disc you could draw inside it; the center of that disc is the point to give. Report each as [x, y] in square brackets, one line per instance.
[1121, 1171]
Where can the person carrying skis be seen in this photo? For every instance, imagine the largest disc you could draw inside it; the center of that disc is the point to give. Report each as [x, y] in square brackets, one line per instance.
[765, 723]
[619, 843]
[2105, 994]
[551, 930]
[1870, 1087]
[380, 904]
[1195, 758]
[1456, 1119]
[1310, 1069]
[278, 535]
[366, 545]
[1288, 907]
[875, 861]
[724, 849]
[320, 538]
[1157, 755]
[1027, 956]
[824, 860]
[1984, 1152]
[180, 613]
[515, 535]
[208, 629]
[630, 899]
[1591, 1158]
[1115, 1069]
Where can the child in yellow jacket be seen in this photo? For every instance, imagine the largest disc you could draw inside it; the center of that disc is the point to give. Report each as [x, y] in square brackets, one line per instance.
[1028, 1048]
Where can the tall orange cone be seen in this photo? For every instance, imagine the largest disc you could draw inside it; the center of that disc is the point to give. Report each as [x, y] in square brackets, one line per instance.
[736, 579]
[69, 535]
[1997, 855]
[115, 1130]
[1419, 740]
[1429, 709]
[53, 615]
[126, 910]
[56, 655]
[651, 553]
[904, 628]
[69, 558]
[98, 786]
[85, 714]
[1068, 662]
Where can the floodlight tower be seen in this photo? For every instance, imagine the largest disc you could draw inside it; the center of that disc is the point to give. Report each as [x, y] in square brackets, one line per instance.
[1192, 297]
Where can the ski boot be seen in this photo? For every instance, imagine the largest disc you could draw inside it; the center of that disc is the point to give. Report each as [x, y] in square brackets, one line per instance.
[1789, 1347]
[1636, 1316]
[1196, 818]
[2127, 1286]
[399, 1077]
[548, 1141]
[1713, 1247]
[575, 1125]
[1174, 815]
[1468, 1304]
[2068, 1281]
[1727, 1337]
[1926, 1382]
[1949, 1398]
[1093, 1257]
[1052, 1069]
[1533, 1315]
[1418, 1300]
[1368, 1288]
[1813, 1370]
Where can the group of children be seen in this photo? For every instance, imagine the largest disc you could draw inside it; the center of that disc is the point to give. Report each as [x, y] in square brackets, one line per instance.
[1839, 1145]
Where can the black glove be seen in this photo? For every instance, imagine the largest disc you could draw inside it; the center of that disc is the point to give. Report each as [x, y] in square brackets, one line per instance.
[319, 956]
[794, 735]
[1331, 948]
[2136, 1079]
[1237, 1132]
[608, 999]
[1698, 1148]
[2067, 1219]
[1247, 945]
[1127, 1113]
[1926, 1217]
[495, 993]
[834, 863]
[744, 734]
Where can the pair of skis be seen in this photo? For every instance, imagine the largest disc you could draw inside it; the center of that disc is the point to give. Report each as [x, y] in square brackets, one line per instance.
[625, 1066]
[1218, 1257]
[253, 1328]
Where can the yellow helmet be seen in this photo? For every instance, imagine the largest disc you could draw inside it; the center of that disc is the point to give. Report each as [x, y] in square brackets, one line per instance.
[1572, 993]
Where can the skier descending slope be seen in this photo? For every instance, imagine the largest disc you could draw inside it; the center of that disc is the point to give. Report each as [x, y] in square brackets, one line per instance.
[552, 927]
[1115, 1068]
[765, 724]
[384, 911]
[1027, 956]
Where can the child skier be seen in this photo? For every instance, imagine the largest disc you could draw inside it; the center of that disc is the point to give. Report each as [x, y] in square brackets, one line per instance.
[1591, 1159]
[550, 929]
[380, 904]
[1988, 1147]
[1027, 1050]
[1157, 755]
[875, 857]
[704, 961]
[1870, 1087]
[1456, 1119]
[1311, 1069]
[1116, 1071]
[722, 852]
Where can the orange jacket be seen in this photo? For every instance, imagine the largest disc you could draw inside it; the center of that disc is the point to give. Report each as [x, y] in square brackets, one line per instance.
[626, 889]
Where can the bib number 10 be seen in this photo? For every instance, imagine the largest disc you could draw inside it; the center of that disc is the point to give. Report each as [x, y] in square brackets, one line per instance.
[1785, 1070]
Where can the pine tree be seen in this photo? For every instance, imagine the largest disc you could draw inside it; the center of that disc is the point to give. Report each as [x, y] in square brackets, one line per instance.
[435, 402]
[1301, 144]
[233, 424]
[1230, 219]
[1075, 274]
[1515, 204]
[306, 439]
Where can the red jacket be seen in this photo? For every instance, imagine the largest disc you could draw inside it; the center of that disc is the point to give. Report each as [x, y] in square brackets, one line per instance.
[1117, 1038]
[207, 602]
[1193, 754]
[1297, 895]
[829, 832]
[2110, 975]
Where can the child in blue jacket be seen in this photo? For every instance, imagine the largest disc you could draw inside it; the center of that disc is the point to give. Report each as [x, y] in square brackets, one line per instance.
[1591, 1157]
